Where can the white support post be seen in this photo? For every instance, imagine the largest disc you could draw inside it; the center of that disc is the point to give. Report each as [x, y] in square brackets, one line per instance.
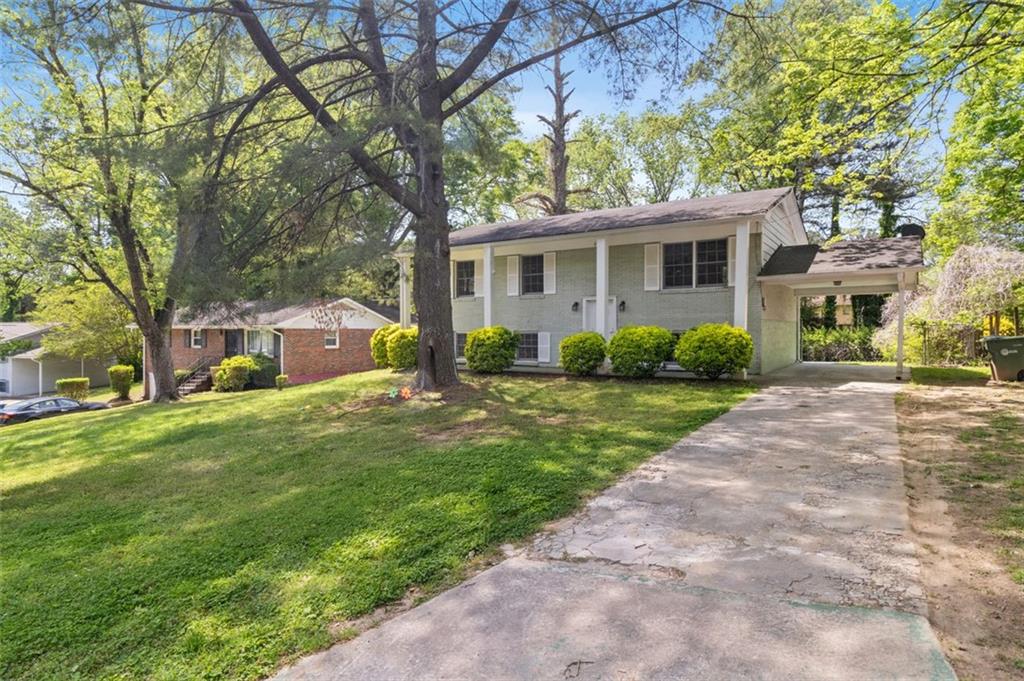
[488, 284]
[741, 276]
[404, 306]
[899, 327]
[601, 304]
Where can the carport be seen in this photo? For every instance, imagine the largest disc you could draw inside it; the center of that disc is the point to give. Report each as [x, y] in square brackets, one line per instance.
[858, 267]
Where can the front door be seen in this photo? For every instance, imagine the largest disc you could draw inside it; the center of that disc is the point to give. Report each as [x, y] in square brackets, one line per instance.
[232, 342]
[590, 315]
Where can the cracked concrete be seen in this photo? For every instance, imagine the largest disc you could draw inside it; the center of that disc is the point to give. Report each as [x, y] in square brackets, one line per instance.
[771, 543]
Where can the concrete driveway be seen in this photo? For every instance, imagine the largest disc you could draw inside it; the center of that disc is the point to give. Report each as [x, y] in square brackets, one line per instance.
[770, 544]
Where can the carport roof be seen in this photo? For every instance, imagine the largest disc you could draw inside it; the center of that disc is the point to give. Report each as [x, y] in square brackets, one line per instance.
[860, 256]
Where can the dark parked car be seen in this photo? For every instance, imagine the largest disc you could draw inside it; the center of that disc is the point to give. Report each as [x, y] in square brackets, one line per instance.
[42, 407]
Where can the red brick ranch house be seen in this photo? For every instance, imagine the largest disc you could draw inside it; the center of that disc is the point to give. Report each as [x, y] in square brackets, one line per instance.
[307, 344]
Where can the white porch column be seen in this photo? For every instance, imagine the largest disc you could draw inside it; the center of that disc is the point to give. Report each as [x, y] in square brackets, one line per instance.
[404, 306]
[899, 326]
[488, 284]
[741, 276]
[601, 292]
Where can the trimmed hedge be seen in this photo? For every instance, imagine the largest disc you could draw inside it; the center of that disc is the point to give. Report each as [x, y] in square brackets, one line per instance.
[710, 350]
[233, 373]
[281, 380]
[639, 351]
[75, 388]
[582, 353]
[403, 345]
[379, 344]
[266, 371]
[491, 349]
[121, 377]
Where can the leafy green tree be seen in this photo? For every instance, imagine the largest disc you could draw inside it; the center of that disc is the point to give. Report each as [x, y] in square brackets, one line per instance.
[90, 324]
[383, 80]
[626, 160]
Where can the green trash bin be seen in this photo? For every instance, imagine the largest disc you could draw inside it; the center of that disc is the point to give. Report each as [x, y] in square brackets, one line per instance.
[1007, 357]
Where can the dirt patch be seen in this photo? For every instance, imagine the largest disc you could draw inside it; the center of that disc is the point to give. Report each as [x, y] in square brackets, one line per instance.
[964, 464]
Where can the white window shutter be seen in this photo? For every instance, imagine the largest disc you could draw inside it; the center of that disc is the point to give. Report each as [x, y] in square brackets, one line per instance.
[543, 347]
[731, 268]
[451, 275]
[549, 273]
[478, 278]
[652, 267]
[513, 274]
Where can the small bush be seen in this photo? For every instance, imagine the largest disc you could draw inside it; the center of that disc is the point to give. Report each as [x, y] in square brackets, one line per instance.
[491, 349]
[403, 345]
[379, 344]
[121, 377]
[265, 372]
[75, 388]
[281, 380]
[639, 351]
[180, 374]
[711, 350]
[582, 353]
[839, 345]
[233, 373]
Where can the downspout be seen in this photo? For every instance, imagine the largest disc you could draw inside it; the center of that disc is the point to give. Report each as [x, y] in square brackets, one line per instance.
[278, 333]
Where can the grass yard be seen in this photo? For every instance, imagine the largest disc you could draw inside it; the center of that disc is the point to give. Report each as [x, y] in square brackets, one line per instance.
[950, 375]
[227, 534]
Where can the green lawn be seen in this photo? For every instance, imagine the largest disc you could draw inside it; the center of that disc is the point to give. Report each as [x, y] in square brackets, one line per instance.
[950, 375]
[221, 536]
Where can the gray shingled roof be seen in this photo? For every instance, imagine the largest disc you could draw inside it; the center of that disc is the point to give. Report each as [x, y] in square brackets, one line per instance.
[12, 330]
[689, 210]
[258, 313]
[844, 257]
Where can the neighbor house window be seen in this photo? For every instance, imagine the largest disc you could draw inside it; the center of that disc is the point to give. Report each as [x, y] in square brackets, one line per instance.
[460, 345]
[465, 274]
[3, 386]
[196, 339]
[527, 347]
[260, 342]
[331, 340]
[712, 262]
[677, 265]
[532, 274]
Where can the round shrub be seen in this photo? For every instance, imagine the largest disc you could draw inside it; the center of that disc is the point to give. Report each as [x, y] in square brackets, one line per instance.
[582, 353]
[491, 349]
[403, 345]
[266, 370]
[281, 380]
[379, 344]
[710, 350]
[75, 388]
[121, 377]
[639, 351]
[233, 373]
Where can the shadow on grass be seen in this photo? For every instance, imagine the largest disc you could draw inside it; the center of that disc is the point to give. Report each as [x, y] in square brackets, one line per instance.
[216, 538]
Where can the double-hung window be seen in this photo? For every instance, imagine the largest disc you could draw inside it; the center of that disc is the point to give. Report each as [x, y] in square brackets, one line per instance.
[465, 275]
[331, 340]
[532, 274]
[695, 263]
[677, 265]
[196, 338]
[528, 347]
[460, 345]
[712, 262]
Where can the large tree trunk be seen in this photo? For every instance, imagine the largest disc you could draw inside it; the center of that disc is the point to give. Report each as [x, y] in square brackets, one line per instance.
[160, 363]
[435, 360]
